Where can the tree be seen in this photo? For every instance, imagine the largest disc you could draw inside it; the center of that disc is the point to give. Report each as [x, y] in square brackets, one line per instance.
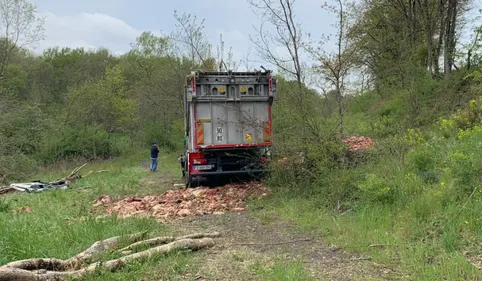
[20, 27]
[104, 103]
[228, 63]
[474, 46]
[285, 33]
[190, 38]
[281, 16]
[335, 66]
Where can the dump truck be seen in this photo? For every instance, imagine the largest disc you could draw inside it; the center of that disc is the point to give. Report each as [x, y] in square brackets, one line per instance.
[228, 125]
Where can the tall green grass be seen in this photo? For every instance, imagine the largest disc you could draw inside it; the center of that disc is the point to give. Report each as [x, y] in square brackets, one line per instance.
[60, 223]
[413, 203]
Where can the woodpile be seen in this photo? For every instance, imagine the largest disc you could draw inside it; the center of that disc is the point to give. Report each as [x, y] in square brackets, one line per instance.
[76, 267]
[185, 202]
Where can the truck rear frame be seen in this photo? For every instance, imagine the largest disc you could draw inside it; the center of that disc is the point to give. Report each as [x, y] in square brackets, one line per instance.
[228, 124]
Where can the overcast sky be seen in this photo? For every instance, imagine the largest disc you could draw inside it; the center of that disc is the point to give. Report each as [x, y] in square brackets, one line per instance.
[114, 24]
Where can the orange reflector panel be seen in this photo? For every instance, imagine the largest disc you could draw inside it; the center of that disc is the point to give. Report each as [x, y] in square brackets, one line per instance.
[200, 133]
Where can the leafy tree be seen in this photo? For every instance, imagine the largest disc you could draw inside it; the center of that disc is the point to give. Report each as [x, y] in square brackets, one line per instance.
[19, 27]
[334, 67]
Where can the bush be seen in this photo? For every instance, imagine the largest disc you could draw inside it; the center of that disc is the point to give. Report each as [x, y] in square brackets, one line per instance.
[376, 189]
[169, 136]
[88, 142]
[20, 129]
[422, 161]
[17, 167]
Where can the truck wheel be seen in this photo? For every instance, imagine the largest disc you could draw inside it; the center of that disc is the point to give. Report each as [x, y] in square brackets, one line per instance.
[187, 181]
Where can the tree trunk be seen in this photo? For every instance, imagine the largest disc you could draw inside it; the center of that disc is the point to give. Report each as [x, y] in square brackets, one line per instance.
[449, 39]
[80, 265]
[438, 49]
[340, 109]
[429, 32]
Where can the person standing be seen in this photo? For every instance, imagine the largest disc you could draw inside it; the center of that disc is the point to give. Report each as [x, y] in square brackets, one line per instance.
[154, 156]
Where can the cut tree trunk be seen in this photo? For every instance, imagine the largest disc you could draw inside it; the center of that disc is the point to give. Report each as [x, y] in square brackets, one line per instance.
[78, 266]
[165, 239]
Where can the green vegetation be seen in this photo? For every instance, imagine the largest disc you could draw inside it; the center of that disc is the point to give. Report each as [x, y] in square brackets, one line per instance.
[59, 223]
[412, 202]
[281, 271]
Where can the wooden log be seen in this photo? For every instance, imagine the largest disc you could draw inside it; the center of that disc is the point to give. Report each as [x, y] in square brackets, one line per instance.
[8, 273]
[100, 247]
[164, 240]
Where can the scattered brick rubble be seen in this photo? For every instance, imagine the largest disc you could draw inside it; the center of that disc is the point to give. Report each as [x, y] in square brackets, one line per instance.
[359, 143]
[185, 202]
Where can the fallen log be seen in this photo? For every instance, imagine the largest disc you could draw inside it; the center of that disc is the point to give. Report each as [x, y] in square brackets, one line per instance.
[164, 240]
[77, 266]
[101, 247]
[76, 261]
[5, 190]
[36, 264]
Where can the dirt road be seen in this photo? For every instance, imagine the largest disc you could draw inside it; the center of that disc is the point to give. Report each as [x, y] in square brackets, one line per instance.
[248, 243]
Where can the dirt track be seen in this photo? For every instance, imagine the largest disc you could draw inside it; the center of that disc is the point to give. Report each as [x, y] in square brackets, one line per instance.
[246, 236]
[246, 240]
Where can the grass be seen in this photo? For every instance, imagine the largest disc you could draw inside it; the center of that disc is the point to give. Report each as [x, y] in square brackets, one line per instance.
[60, 225]
[414, 205]
[280, 270]
[388, 235]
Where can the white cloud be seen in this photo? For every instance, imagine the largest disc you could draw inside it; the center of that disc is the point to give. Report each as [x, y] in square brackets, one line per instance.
[88, 30]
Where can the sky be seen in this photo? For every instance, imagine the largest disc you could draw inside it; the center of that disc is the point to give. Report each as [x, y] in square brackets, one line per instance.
[114, 24]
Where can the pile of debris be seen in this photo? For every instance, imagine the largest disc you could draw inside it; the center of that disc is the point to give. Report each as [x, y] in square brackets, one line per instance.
[185, 202]
[359, 143]
[39, 186]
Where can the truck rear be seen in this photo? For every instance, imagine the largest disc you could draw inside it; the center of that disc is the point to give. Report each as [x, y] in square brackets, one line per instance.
[228, 124]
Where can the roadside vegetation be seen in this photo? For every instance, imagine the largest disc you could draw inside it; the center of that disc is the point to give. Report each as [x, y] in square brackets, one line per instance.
[412, 202]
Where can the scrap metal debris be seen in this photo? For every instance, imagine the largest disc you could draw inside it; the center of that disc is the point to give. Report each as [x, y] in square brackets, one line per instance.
[35, 187]
[39, 186]
[359, 143]
[186, 202]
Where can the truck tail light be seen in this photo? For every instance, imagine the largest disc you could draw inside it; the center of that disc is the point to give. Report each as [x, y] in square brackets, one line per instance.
[200, 161]
[197, 158]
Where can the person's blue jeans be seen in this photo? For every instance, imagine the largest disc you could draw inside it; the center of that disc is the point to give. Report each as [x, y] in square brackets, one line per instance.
[153, 164]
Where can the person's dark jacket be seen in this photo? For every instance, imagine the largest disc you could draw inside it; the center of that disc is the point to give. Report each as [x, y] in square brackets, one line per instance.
[154, 152]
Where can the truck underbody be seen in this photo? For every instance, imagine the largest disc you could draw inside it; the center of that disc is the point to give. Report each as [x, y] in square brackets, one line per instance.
[213, 166]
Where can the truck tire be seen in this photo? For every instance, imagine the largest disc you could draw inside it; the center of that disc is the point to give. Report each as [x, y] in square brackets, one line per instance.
[187, 181]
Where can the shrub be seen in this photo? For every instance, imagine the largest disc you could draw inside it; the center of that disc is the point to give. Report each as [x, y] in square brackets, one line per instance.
[422, 161]
[376, 189]
[17, 167]
[169, 136]
[89, 142]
